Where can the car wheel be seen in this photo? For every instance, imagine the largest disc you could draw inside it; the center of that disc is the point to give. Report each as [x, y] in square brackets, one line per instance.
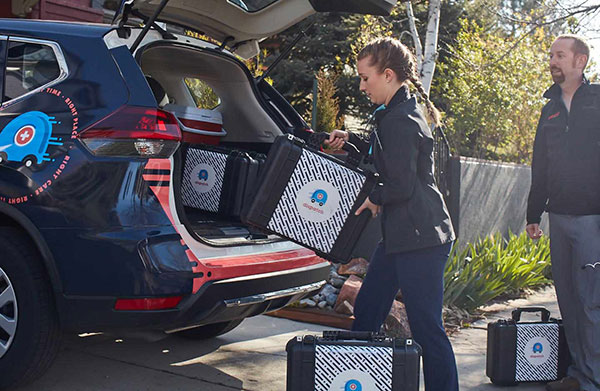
[29, 327]
[209, 330]
[29, 160]
[3, 157]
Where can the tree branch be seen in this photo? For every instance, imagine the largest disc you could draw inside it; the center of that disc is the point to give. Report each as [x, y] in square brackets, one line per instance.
[537, 25]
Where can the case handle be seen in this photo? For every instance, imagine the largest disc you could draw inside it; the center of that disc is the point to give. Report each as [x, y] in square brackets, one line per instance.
[354, 156]
[516, 314]
[337, 335]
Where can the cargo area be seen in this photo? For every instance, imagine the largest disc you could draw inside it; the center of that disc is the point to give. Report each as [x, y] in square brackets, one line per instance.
[226, 134]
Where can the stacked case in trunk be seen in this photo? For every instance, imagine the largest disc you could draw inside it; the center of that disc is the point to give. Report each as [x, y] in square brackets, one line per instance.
[352, 361]
[526, 352]
[310, 198]
[218, 180]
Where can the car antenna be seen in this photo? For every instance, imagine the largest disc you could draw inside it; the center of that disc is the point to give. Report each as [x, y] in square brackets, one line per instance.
[148, 25]
[284, 53]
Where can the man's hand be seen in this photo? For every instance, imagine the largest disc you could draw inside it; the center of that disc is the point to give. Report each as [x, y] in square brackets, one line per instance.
[534, 231]
[375, 209]
[337, 138]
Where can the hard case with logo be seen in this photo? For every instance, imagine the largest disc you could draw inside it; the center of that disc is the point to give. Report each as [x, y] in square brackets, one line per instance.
[526, 351]
[310, 198]
[215, 179]
[352, 361]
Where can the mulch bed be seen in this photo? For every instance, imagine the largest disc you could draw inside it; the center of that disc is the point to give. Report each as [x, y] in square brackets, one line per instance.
[315, 316]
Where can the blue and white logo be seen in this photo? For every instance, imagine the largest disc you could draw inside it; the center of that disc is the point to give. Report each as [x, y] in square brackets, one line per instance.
[353, 385]
[203, 178]
[27, 137]
[203, 175]
[536, 352]
[317, 201]
[319, 196]
[353, 380]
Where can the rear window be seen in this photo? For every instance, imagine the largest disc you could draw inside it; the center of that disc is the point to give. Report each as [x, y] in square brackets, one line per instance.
[204, 96]
[28, 66]
[252, 5]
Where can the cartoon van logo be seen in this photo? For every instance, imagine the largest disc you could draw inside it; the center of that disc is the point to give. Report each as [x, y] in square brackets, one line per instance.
[203, 175]
[538, 348]
[353, 385]
[317, 201]
[26, 139]
[319, 196]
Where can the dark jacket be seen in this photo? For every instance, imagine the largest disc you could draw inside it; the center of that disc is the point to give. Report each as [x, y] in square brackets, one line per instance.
[565, 171]
[414, 214]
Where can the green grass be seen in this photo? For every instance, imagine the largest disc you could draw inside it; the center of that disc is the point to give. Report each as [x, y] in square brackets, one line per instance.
[493, 266]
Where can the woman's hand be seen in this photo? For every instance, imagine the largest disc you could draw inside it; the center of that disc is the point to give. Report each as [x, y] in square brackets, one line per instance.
[337, 138]
[375, 209]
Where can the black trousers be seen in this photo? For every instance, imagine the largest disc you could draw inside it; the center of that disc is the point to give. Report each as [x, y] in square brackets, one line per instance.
[420, 276]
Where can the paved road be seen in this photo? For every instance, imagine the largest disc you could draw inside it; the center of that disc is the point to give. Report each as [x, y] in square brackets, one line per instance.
[252, 357]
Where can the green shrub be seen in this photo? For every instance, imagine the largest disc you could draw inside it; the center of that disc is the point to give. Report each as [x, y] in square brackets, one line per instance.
[328, 105]
[480, 272]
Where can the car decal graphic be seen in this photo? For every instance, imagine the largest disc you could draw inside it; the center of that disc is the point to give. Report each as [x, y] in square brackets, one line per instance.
[37, 142]
[27, 137]
[157, 173]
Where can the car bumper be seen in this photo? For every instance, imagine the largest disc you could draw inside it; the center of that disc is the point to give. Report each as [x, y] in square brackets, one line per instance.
[216, 301]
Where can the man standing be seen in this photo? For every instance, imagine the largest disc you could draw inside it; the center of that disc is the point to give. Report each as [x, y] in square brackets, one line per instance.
[565, 181]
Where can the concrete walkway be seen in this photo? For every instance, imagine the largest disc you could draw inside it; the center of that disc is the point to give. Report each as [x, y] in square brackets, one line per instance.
[252, 357]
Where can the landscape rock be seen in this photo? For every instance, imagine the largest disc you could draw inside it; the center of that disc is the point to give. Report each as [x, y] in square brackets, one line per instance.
[333, 274]
[307, 303]
[349, 291]
[328, 289]
[322, 304]
[399, 295]
[331, 298]
[344, 308]
[357, 266]
[337, 282]
[396, 324]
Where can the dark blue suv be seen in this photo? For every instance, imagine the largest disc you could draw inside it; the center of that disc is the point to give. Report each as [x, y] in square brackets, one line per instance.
[93, 233]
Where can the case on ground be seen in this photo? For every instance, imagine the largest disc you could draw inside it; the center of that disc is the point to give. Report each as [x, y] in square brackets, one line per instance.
[352, 361]
[526, 351]
[310, 197]
[215, 179]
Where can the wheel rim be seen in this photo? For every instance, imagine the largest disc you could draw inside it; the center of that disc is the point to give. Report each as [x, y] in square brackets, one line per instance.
[8, 313]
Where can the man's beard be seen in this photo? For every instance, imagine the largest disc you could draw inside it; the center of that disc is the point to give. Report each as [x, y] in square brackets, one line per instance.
[559, 77]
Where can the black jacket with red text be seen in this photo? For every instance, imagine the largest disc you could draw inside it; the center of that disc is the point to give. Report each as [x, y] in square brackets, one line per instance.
[565, 171]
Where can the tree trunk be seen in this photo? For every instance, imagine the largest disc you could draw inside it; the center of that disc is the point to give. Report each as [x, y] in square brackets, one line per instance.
[431, 38]
[415, 35]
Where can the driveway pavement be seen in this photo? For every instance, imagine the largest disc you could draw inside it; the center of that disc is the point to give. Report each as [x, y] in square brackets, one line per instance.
[251, 357]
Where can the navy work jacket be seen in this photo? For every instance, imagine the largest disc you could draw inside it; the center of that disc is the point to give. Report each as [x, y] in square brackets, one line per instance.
[414, 215]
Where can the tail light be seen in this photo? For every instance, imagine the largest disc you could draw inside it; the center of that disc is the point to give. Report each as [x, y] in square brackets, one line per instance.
[147, 303]
[134, 131]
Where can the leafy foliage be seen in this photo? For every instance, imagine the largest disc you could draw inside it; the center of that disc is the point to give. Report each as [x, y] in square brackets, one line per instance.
[492, 101]
[332, 44]
[493, 266]
[204, 96]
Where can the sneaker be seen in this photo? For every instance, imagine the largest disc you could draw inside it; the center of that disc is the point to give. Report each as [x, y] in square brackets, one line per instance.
[564, 384]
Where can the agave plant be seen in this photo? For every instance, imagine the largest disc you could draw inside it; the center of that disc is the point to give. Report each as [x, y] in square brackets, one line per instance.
[481, 271]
